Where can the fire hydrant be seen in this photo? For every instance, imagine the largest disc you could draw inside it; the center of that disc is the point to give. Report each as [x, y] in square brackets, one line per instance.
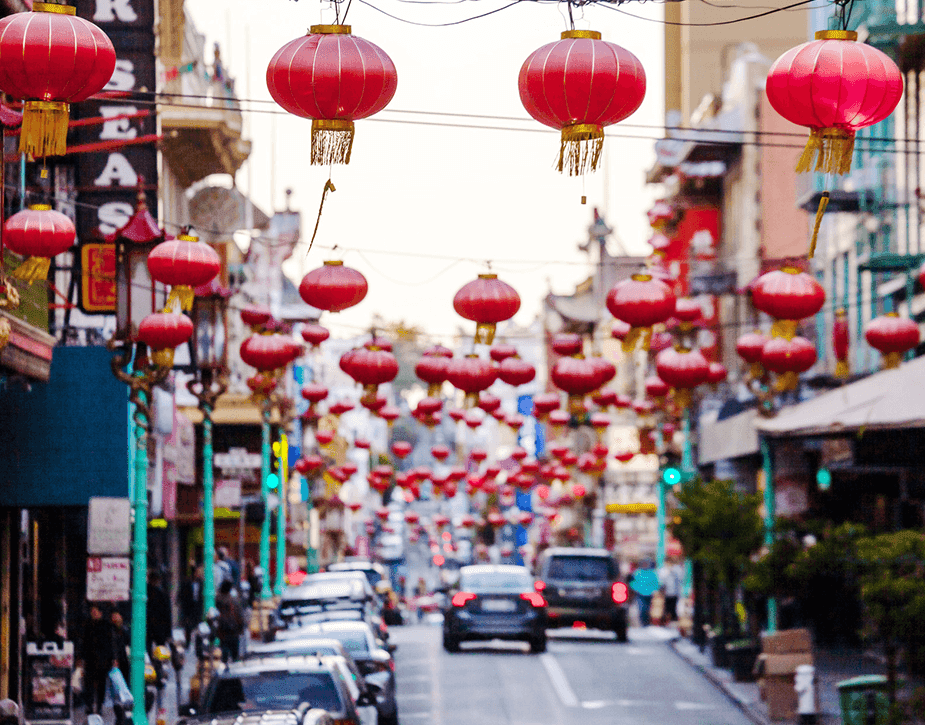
[805, 686]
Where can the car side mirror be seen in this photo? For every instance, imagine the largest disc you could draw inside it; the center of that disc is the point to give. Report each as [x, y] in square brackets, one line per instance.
[373, 688]
[380, 655]
[366, 699]
[187, 710]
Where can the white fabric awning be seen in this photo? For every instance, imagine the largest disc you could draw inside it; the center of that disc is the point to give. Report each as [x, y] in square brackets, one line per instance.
[885, 400]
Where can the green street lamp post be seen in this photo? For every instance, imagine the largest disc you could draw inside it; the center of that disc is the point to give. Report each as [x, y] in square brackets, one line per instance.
[767, 461]
[210, 357]
[265, 408]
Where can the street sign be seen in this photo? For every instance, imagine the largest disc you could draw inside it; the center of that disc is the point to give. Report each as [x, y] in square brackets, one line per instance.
[632, 508]
[227, 494]
[108, 578]
[237, 458]
[109, 526]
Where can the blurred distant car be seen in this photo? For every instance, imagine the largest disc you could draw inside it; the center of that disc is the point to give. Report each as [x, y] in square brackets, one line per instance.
[373, 660]
[495, 601]
[301, 715]
[583, 585]
[298, 605]
[373, 571]
[390, 546]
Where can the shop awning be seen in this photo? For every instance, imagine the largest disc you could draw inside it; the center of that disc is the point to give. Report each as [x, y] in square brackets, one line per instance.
[886, 400]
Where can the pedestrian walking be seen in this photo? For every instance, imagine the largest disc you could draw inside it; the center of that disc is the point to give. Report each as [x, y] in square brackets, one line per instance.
[97, 657]
[233, 567]
[221, 571]
[191, 598]
[671, 579]
[644, 583]
[254, 582]
[159, 618]
[230, 624]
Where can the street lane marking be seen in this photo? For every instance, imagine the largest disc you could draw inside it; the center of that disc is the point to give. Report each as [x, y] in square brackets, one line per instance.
[559, 681]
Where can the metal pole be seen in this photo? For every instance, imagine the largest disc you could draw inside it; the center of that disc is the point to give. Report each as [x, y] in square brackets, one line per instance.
[266, 591]
[140, 564]
[687, 455]
[660, 516]
[769, 512]
[208, 512]
[281, 515]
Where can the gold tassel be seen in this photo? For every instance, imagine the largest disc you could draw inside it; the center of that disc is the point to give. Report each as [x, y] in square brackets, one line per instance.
[576, 404]
[581, 148]
[332, 141]
[892, 360]
[181, 294]
[433, 390]
[786, 329]
[682, 397]
[5, 331]
[842, 370]
[823, 203]
[470, 401]
[813, 146]
[163, 358]
[485, 333]
[370, 391]
[756, 371]
[44, 128]
[788, 381]
[631, 339]
[34, 268]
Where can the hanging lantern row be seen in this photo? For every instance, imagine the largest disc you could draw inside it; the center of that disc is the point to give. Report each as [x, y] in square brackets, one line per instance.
[37, 233]
[486, 301]
[892, 336]
[183, 263]
[370, 367]
[641, 302]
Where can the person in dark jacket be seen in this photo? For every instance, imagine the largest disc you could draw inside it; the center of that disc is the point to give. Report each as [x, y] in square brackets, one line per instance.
[230, 622]
[97, 655]
[191, 596]
[120, 643]
[159, 620]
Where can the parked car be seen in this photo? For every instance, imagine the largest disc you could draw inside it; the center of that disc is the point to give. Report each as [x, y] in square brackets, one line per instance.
[495, 601]
[301, 715]
[372, 658]
[583, 585]
[299, 604]
[373, 571]
[282, 683]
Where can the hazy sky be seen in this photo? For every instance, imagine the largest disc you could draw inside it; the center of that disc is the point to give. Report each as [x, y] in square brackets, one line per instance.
[469, 195]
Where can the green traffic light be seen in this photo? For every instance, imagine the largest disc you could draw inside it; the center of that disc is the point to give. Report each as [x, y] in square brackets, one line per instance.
[824, 479]
[671, 476]
[272, 481]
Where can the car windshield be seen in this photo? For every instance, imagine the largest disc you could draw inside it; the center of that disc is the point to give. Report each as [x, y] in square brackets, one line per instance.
[481, 581]
[372, 576]
[354, 641]
[581, 568]
[275, 691]
[291, 647]
[301, 607]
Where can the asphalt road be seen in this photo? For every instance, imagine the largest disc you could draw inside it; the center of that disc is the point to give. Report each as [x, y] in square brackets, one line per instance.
[581, 680]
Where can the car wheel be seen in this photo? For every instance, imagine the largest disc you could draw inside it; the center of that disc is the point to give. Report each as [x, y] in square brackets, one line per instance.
[621, 632]
[450, 643]
[538, 644]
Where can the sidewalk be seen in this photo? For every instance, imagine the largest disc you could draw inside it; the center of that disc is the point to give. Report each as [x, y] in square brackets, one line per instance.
[832, 666]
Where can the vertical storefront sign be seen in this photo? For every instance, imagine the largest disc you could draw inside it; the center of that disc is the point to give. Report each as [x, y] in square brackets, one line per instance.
[121, 131]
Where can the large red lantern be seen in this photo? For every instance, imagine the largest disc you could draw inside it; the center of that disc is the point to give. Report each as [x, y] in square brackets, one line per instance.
[834, 85]
[266, 352]
[580, 84]
[163, 332]
[183, 263]
[38, 233]
[788, 358]
[333, 287]
[472, 375]
[683, 370]
[892, 335]
[401, 449]
[486, 301]
[333, 78]
[50, 58]
[314, 334]
[544, 404]
[256, 316]
[577, 377]
[370, 368]
[515, 371]
[566, 343]
[789, 295]
[432, 370]
[640, 301]
[500, 353]
[841, 338]
[750, 347]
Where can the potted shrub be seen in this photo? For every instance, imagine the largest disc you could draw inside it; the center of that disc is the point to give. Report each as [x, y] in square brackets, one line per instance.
[741, 655]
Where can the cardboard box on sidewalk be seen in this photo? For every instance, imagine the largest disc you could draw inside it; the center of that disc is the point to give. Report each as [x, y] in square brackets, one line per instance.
[787, 641]
[777, 670]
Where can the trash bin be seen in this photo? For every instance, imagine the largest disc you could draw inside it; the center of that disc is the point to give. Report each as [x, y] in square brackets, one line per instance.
[864, 700]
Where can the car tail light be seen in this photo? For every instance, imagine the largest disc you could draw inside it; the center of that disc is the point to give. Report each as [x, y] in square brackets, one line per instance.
[460, 598]
[619, 593]
[535, 598]
[539, 585]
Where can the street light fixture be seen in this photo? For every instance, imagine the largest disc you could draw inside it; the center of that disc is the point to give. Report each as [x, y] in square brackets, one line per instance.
[209, 353]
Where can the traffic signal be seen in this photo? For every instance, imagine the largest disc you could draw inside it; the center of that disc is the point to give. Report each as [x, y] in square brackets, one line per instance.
[671, 476]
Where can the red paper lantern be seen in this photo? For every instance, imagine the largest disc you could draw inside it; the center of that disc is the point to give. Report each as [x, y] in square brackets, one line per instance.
[370, 368]
[544, 404]
[604, 369]
[834, 86]
[438, 351]
[893, 336]
[717, 373]
[500, 353]
[266, 352]
[515, 371]
[580, 84]
[559, 418]
[340, 407]
[624, 456]
[401, 449]
[751, 345]
[681, 368]
[518, 454]
[183, 263]
[50, 58]
[354, 506]
[263, 384]
[600, 450]
[486, 301]
[656, 387]
[162, 332]
[361, 443]
[256, 316]
[473, 419]
[787, 294]
[38, 233]
[333, 287]
[604, 397]
[432, 370]
[575, 376]
[841, 338]
[566, 343]
[620, 330]
[310, 465]
[389, 413]
[314, 335]
[314, 392]
[788, 358]
[440, 451]
[687, 310]
[599, 421]
[641, 302]
[472, 375]
[488, 402]
[324, 437]
[333, 78]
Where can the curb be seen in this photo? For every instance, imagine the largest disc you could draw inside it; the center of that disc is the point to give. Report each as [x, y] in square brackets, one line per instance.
[756, 717]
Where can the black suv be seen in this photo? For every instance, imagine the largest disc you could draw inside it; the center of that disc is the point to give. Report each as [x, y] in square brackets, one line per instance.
[583, 585]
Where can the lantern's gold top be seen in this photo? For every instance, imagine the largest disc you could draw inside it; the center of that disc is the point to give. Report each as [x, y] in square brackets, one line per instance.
[333, 262]
[488, 276]
[592, 34]
[187, 238]
[641, 277]
[836, 35]
[329, 30]
[54, 8]
[40, 207]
